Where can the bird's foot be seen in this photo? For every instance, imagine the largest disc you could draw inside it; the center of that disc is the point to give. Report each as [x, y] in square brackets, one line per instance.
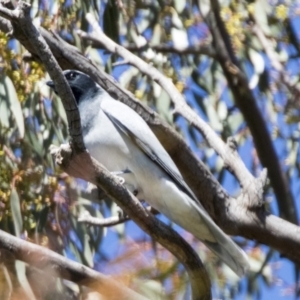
[120, 177]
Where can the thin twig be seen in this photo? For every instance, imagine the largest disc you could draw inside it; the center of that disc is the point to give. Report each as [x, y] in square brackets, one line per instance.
[87, 218]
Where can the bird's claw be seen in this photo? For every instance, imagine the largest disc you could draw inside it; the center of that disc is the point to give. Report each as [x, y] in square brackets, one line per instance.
[120, 179]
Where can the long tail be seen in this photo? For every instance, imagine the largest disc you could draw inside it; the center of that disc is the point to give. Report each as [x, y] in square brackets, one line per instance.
[232, 255]
[224, 246]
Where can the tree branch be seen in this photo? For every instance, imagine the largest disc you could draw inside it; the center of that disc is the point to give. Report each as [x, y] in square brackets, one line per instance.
[45, 259]
[196, 50]
[87, 218]
[246, 102]
[268, 229]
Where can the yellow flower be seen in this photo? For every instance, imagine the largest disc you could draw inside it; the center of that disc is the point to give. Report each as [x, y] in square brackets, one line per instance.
[281, 12]
[180, 86]
[188, 23]
[139, 94]
[226, 13]
[251, 8]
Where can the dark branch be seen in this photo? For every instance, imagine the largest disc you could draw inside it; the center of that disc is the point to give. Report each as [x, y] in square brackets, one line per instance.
[45, 259]
[246, 102]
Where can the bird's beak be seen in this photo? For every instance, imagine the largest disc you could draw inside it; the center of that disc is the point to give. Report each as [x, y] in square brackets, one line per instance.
[50, 83]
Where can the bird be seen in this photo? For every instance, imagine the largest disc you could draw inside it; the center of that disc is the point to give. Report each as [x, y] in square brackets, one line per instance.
[118, 138]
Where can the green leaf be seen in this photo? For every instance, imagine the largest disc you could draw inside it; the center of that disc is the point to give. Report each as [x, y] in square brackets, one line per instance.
[235, 120]
[75, 252]
[179, 5]
[127, 76]
[95, 57]
[163, 104]
[120, 228]
[15, 105]
[4, 110]
[59, 108]
[111, 21]
[151, 289]
[6, 286]
[262, 9]
[156, 36]
[35, 143]
[88, 254]
[21, 274]
[16, 212]
[212, 115]
[204, 6]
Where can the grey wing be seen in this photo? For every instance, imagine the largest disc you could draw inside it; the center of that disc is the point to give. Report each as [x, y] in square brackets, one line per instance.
[130, 123]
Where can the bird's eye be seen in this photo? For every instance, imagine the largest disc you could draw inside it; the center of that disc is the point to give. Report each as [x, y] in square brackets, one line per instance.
[72, 75]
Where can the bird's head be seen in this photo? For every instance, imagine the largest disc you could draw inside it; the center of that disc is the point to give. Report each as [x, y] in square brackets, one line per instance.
[80, 84]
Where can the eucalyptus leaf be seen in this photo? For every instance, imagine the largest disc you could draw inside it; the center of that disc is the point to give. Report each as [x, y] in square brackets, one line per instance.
[262, 9]
[222, 110]
[127, 76]
[179, 5]
[59, 108]
[15, 105]
[75, 252]
[16, 212]
[88, 254]
[235, 121]
[156, 36]
[120, 228]
[152, 289]
[110, 21]
[145, 20]
[6, 291]
[95, 57]
[163, 103]
[22, 278]
[212, 115]
[179, 38]
[35, 143]
[4, 110]
[257, 61]
[204, 6]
